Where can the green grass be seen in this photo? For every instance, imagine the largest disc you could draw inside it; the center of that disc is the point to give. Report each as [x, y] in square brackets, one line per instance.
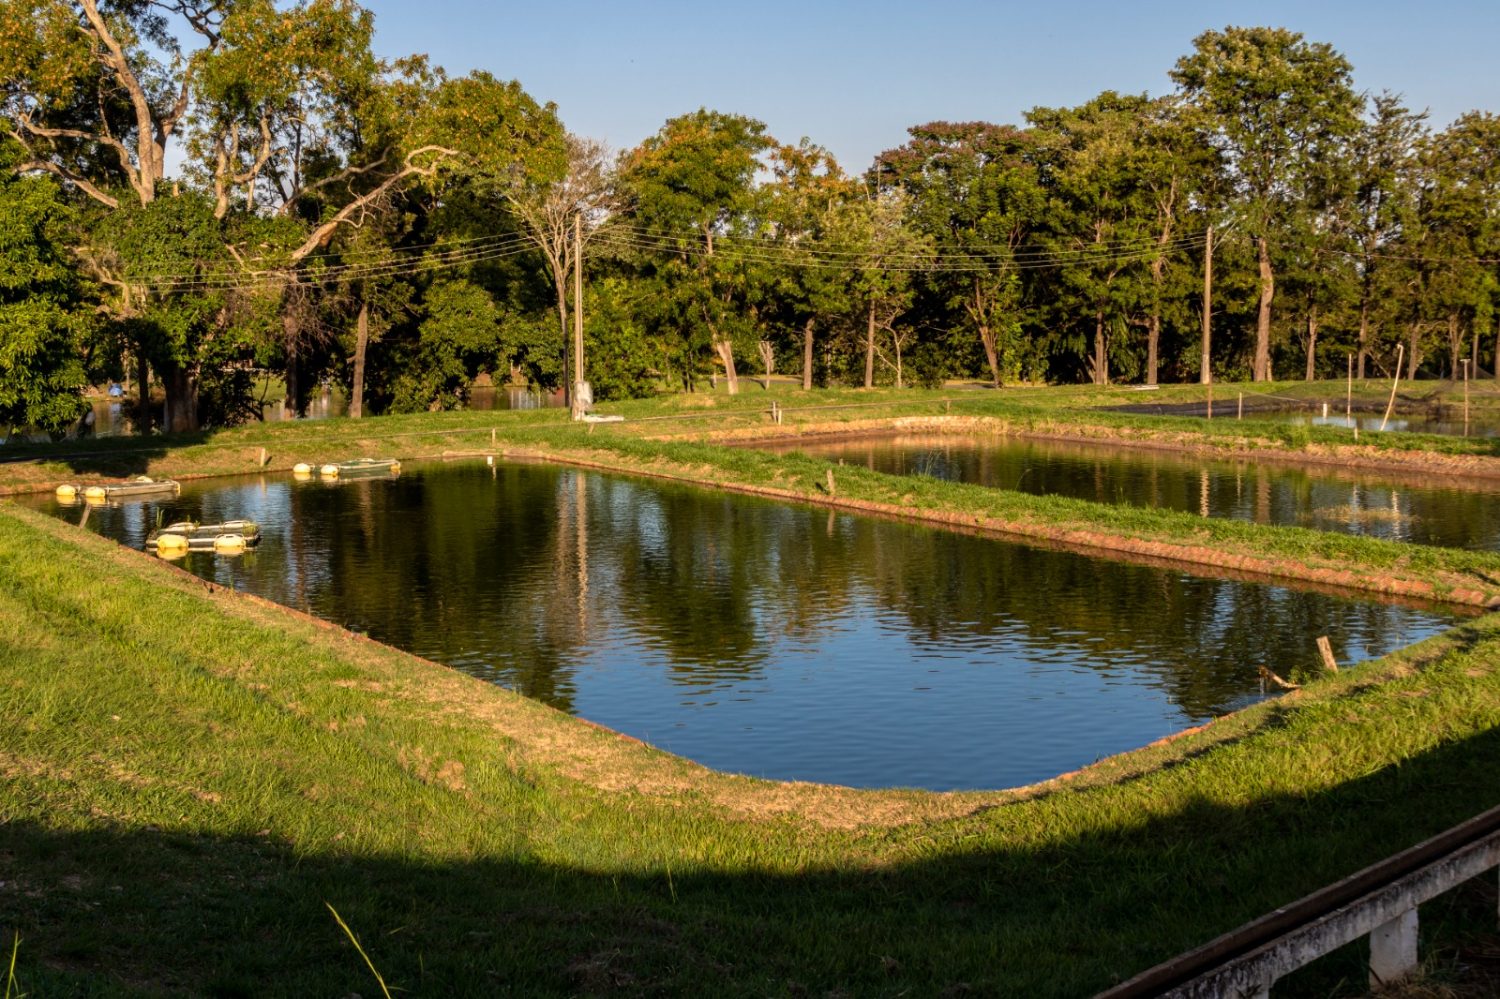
[668, 436]
[188, 780]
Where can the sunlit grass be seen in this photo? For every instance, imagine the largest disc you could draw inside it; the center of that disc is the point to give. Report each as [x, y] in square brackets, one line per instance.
[186, 778]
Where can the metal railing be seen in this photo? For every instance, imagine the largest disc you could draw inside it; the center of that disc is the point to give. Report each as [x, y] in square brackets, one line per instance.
[1380, 901]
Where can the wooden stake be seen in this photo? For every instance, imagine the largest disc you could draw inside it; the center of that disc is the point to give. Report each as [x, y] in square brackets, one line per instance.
[1395, 380]
[1239, 407]
[1326, 651]
[1209, 414]
[831, 490]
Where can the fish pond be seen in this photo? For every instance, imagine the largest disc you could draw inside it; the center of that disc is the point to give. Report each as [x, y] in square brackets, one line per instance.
[1457, 514]
[768, 639]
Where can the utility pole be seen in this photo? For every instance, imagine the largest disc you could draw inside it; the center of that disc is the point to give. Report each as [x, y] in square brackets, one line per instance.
[578, 401]
[1205, 373]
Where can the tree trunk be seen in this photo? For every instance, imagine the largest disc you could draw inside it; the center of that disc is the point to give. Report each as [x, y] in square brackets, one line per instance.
[294, 390]
[1101, 352]
[807, 356]
[768, 361]
[181, 384]
[1364, 338]
[361, 341]
[1312, 342]
[1153, 338]
[870, 347]
[987, 337]
[725, 350]
[1262, 367]
[143, 386]
[1455, 345]
[559, 281]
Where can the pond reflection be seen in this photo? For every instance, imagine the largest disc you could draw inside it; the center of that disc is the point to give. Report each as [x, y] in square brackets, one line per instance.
[768, 639]
[1456, 515]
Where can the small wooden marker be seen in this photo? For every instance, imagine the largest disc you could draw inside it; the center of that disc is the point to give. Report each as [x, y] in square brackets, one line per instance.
[831, 490]
[1326, 651]
[264, 458]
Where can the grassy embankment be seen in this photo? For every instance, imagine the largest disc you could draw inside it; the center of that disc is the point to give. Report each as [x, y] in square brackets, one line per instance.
[674, 438]
[187, 776]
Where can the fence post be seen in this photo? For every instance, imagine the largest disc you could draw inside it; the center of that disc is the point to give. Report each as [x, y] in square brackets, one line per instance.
[1393, 949]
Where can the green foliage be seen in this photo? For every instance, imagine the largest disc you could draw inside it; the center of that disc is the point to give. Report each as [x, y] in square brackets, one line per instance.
[44, 324]
[623, 361]
[460, 337]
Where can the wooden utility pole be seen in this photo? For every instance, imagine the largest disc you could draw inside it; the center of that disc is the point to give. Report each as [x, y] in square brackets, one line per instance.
[578, 401]
[1205, 373]
[1466, 397]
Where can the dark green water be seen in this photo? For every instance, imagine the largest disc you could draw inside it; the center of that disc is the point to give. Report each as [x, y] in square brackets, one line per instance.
[1414, 510]
[769, 639]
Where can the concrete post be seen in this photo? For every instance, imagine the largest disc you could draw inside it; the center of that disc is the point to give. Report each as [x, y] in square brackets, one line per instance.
[1393, 949]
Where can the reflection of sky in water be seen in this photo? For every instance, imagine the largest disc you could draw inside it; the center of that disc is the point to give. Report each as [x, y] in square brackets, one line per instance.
[1464, 515]
[768, 639]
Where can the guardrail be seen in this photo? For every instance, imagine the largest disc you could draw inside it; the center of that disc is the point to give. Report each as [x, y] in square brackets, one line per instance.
[1380, 901]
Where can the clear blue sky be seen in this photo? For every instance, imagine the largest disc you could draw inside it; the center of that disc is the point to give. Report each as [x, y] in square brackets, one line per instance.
[853, 77]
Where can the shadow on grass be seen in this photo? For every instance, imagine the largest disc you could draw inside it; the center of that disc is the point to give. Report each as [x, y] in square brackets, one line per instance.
[107, 456]
[112, 911]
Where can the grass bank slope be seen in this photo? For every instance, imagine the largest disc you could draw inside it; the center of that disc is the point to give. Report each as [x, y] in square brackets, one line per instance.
[187, 776]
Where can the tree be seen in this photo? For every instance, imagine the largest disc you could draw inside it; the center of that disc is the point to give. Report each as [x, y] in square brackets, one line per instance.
[561, 216]
[693, 186]
[43, 318]
[884, 255]
[798, 283]
[1279, 108]
[1386, 181]
[973, 189]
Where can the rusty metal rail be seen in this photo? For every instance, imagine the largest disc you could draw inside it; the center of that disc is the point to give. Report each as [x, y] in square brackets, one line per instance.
[1380, 901]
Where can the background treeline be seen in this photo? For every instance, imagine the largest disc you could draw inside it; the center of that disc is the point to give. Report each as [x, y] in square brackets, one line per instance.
[401, 231]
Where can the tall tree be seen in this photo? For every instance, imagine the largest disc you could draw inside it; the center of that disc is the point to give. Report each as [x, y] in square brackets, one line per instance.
[1280, 108]
[43, 314]
[1386, 183]
[561, 215]
[693, 189]
[973, 189]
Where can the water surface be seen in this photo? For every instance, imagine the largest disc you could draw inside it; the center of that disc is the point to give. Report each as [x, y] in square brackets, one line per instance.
[1460, 514]
[775, 640]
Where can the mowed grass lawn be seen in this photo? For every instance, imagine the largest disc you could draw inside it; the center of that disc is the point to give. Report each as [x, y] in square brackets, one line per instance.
[189, 779]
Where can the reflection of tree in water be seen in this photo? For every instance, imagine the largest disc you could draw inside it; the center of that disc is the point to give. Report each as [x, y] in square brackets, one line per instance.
[1326, 498]
[689, 570]
[1201, 639]
[519, 573]
[450, 571]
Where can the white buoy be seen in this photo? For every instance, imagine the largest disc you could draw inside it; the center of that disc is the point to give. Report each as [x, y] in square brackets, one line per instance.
[302, 468]
[331, 471]
[67, 491]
